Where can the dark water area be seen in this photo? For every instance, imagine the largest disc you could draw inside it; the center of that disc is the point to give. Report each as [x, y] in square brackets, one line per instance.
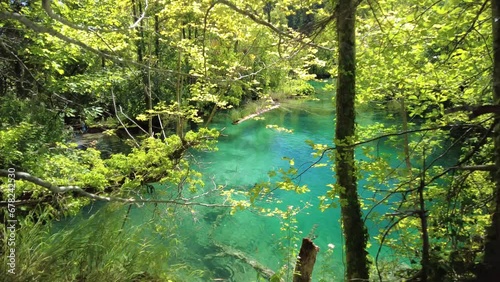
[246, 153]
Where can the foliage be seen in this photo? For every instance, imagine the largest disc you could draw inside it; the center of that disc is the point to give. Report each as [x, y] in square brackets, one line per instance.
[123, 174]
[426, 63]
[293, 88]
[429, 62]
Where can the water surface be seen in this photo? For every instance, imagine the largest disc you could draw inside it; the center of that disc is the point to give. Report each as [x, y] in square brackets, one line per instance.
[247, 152]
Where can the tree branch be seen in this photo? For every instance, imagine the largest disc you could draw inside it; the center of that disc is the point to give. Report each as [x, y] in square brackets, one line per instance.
[121, 61]
[260, 21]
[371, 140]
[489, 167]
[46, 4]
[41, 29]
[65, 189]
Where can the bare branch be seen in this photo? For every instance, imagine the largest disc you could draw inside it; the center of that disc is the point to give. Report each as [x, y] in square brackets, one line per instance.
[142, 129]
[161, 126]
[116, 114]
[467, 157]
[384, 236]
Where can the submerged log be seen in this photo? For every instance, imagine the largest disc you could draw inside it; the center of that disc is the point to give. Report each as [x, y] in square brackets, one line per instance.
[305, 261]
[260, 268]
[275, 106]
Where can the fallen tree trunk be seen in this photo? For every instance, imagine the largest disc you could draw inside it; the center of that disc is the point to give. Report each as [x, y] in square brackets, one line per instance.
[275, 106]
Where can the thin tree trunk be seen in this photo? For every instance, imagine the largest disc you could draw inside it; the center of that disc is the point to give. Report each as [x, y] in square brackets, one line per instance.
[149, 98]
[492, 248]
[211, 116]
[135, 14]
[404, 117]
[180, 130]
[425, 263]
[146, 79]
[354, 230]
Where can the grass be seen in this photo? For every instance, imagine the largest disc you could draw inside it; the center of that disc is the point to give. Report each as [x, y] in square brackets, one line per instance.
[93, 249]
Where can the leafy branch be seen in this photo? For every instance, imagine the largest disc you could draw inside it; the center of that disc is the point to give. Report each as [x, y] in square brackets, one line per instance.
[275, 29]
[324, 151]
[118, 60]
[46, 4]
[76, 189]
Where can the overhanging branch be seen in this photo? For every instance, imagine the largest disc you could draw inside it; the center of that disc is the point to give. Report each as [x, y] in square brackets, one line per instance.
[490, 167]
[118, 60]
[371, 140]
[46, 4]
[65, 189]
[260, 21]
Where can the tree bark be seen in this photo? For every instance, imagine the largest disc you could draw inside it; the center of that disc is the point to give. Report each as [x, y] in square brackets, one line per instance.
[141, 49]
[305, 262]
[353, 226]
[491, 270]
[425, 263]
[178, 93]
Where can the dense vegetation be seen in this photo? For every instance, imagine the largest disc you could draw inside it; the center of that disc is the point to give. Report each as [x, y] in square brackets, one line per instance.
[155, 73]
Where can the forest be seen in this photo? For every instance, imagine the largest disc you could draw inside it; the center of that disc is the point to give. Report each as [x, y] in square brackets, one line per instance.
[263, 140]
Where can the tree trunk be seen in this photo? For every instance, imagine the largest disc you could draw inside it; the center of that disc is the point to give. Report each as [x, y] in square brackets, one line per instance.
[353, 226]
[305, 262]
[178, 91]
[492, 248]
[141, 49]
[425, 263]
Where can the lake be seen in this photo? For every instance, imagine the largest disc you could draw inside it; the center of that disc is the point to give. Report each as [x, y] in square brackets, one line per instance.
[220, 245]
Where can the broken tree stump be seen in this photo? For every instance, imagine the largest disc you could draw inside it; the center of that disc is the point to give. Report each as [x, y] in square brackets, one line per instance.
[305, 261]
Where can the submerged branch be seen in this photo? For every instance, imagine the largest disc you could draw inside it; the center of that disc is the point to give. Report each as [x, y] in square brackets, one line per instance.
[263, 270]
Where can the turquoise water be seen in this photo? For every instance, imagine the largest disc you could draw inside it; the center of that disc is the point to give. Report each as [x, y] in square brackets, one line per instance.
[247, 152]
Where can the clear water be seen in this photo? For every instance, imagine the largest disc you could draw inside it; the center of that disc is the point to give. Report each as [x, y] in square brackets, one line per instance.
[247, 152]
